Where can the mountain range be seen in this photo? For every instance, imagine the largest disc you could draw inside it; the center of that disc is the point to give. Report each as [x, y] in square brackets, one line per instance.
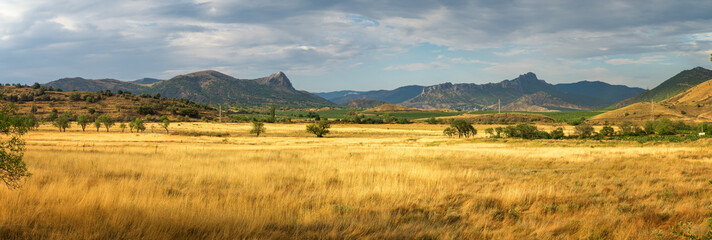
[524, 93]
[206, 87]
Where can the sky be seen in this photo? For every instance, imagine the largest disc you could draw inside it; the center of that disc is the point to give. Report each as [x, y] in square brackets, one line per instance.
[358, 45]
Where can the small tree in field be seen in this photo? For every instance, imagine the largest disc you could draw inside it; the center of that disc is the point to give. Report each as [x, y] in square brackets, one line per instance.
[97, 124]
[319, 129]
[83, 121]
[138, 125]
[463, 128]
[122, 126]
[107, 121]
[257, 128]
[449, 132]
[165, 123]
[62, 122]
[583, 130]
[12, 147]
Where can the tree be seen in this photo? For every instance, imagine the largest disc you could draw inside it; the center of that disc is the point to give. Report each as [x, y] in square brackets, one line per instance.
[62, 122]
[319, 129]
[257, 128]
[583, 130]
[463, 128]
[117, 106]
[607, 131]
[138, 125]
[12, 147]
[490, 131]
[449, 132]
[107, 121]
[630, 129]
[165, 123]
[272, 113]
[664, 127]
[97, 124]
[557, 133]
[122, 126]
[83, 121]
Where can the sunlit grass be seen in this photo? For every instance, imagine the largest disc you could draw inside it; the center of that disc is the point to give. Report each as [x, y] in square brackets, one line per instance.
[361, 181]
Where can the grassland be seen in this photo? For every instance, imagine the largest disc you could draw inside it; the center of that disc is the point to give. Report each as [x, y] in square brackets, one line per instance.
[361, 181]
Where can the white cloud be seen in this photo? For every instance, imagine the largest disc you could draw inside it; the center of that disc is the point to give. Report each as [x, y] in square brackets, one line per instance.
[642, 60]
[418, 66]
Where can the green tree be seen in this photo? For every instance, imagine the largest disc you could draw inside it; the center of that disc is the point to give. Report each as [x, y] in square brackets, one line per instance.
[97, 124]
[62, 122]
[83, 121]
[607, 131]
[107, 121]
[664, 127]
[257, 128]
[557, 133]
[138, 125]
[12, 147]
[583, 130]
[490, 132]
[122, 126]
[320, 128]
[449, 132]
[272, 114]
[165, 123]
[463, 128]
[630, 129]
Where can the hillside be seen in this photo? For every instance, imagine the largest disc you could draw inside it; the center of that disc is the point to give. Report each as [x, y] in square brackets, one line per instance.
[122, 107]
[394, 96]
[486, 96]
[671, 87]
[364, 103]
[692, 105]
[392, 108]
[600, 93]
[538, 102]
[206, 87]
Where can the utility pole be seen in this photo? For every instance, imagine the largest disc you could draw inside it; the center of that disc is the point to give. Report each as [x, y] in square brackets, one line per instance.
[220, 113]
[652, 113]
[499, 106]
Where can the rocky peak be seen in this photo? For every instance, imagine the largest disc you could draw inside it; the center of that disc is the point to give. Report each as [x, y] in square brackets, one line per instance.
[278, 79]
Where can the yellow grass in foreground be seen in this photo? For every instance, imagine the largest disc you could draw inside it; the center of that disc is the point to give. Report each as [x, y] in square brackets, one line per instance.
[361, 181]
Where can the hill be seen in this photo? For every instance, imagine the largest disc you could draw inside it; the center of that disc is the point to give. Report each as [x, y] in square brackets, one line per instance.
[206, 87]
[364, 103]
[394, 96]
[600, 93]
[692, 105]
[392, 108]
[671, 87]
[538, 102]
[122, 107]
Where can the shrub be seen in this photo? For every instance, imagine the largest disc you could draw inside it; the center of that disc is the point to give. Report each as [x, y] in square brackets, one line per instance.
[557, 133]
[319, 129]
[630, 129]
[583, 130]
[463, 128]
[449, 132]
[607, 131]
[257, 128]
[433, 120]
[664, 127]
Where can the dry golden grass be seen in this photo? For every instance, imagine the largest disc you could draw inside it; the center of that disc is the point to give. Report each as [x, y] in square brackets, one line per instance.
[366, 182]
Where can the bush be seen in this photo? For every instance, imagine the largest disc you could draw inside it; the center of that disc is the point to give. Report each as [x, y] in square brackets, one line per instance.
[583, 130]
[190, 112]
[630, 129]
[525, 131]
[463, 128]
[557, 133]
[543, 135]
[449, 132]
[433, 120]
[607, 131]
[145, 110]
[257, 128]
[319, 129]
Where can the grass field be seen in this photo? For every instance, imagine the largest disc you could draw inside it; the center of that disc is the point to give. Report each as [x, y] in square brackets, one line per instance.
[360, 182]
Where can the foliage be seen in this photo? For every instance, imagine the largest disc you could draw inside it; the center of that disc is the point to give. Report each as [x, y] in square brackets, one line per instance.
[557, 133]
[12, 168]
[463, 128]
[630, 129]
[97, 124]
[122, 126]
[449, 132]
[583, 130]
[432, 120]
[607, 131]
[525, 131]
[138, 125]
[257, 128]
[83, 121]
[107, 121]
[165, 123]
[62, 122]
[319, 129]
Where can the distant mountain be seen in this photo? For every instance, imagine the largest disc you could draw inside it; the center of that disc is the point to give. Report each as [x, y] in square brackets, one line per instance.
[671, 87]
[146, 81]
[539, 102]
[397, 95]
[93, 85]
[207, 87]
[476, 96]
[364, 103]
[602, 94]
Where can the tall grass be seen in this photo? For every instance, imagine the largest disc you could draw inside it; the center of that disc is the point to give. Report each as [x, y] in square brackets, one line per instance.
[360, 182]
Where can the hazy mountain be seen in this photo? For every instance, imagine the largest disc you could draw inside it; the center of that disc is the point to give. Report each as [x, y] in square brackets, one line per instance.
[206, 87]
[671, 87]
[93, 85]
[602, 94]
[146, 81]
[397, 95]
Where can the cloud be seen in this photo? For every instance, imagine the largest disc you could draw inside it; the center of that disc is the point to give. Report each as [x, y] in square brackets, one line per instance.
[642, 60]
[418, 66]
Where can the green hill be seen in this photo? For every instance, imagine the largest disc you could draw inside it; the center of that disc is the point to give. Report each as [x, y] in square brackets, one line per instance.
[671, 87]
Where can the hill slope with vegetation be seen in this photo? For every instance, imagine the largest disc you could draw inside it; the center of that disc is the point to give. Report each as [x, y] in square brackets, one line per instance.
[671, 87]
